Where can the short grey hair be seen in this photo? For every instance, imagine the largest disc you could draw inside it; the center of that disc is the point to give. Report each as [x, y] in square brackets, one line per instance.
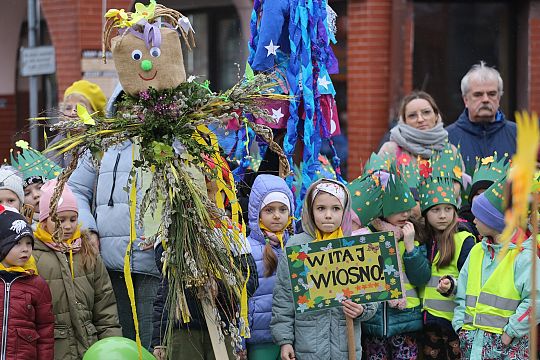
[483, 73]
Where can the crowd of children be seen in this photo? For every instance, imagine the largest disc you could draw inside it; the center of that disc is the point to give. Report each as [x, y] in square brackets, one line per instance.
[466, 296]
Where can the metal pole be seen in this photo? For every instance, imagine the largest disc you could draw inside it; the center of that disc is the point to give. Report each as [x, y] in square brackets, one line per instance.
[33, 80]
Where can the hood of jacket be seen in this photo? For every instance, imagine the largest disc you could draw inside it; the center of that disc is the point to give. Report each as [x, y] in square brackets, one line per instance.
[477, 129]
[264, 184]
[308, 224]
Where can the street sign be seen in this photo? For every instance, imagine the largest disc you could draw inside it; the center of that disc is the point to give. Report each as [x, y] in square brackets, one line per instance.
[37, 61]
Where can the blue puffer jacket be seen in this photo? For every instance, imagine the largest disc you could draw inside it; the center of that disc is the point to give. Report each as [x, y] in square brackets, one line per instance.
[482, 139]
[260, 304]
[103, 190]
[388, 321]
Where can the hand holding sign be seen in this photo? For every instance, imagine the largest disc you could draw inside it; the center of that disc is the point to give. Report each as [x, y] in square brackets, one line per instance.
[352, 309]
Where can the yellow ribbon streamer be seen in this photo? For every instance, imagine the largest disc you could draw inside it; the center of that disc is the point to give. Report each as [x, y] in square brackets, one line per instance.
[127, 265]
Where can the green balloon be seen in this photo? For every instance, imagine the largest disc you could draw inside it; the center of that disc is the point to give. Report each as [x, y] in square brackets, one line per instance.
[116, 348]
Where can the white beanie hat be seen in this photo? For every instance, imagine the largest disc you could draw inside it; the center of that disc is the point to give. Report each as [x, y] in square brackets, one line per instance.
[276, 196]
[10, 180]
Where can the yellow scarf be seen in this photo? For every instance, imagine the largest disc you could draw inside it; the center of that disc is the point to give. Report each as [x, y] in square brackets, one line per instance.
[28, 268]
[64, 246]
[279, 234]
[336, 234]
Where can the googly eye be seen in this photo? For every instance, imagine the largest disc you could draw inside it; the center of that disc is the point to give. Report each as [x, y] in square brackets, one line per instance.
[155, 51]
[136, 55]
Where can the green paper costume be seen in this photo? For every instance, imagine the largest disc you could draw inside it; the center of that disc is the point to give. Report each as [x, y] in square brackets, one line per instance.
[397, 195]
[375, 163]
[495, 194]
[366, 195]
[34, 166]
[490, 168]
[447, 164]
[434, 191]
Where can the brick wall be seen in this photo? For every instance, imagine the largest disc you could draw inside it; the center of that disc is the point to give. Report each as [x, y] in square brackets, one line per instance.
[73, 33]
[8, 124]
[534, 57]
[368, 37]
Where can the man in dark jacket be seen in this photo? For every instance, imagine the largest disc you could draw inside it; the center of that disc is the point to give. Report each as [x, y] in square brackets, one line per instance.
[482, 128]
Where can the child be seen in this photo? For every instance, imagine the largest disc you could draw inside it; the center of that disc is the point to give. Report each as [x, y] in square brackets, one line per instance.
[35, 170]
[11, 189]
[447, 249]
[28, 326]
[321, 334]
[270, 210]
[494, 291]
[393, 332]
[84, 305]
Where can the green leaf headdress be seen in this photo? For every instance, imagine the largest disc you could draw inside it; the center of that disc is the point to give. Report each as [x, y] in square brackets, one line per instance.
[33, 165]
[436, 190]
[366, 195]
[447, 164]
[397, 195]
[491, 168]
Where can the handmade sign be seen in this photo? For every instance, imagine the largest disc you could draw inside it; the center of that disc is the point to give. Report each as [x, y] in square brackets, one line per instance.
[361, 268]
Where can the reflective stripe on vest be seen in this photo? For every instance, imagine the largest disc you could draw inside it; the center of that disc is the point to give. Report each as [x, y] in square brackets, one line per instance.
[413, 300]
[434, 303]
[489, 306]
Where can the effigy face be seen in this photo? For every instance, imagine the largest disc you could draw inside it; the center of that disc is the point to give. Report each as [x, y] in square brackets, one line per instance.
[140, 68]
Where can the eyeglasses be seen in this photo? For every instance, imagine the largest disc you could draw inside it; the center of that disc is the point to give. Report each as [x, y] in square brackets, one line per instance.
[424, 113]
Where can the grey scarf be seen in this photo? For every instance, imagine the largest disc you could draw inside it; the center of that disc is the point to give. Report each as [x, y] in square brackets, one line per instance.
[419, 142]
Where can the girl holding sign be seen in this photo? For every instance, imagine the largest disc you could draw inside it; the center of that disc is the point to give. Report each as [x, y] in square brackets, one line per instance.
[448, 248]
[271, 204]
[393, 332]
[318, 334]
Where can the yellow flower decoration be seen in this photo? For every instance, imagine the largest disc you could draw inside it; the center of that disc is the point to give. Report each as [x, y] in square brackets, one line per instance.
[395, 293]
[143, 12]
[293, 256]
[121, 17]
[457, 171]
[487, 160]
[22, 144]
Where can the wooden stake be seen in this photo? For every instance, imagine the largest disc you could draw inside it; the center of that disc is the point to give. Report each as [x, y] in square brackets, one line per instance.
[220, 350]
[532, 316]
[351, 341]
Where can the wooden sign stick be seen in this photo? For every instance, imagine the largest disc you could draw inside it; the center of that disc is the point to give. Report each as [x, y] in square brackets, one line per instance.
[532, 315]
[351, 341]
[220, 350]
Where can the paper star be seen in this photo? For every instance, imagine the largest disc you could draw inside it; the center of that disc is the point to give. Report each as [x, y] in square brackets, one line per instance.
[322, 81]
[271, 48]
[277, 115]
[395, 293]
[302, 307]
[293, 256]
[389, 269]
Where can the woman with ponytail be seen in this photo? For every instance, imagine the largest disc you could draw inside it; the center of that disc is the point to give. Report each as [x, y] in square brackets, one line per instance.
[270, 208]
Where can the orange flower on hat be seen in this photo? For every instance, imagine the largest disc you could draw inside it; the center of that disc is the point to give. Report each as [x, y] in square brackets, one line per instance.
[457, 171]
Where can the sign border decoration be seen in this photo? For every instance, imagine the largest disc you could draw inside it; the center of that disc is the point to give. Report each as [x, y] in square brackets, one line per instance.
[388, 267]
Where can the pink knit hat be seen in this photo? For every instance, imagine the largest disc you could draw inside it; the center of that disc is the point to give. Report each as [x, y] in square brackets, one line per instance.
[67, 201]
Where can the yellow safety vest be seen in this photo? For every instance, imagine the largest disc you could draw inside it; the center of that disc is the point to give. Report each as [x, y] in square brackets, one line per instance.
[413, 299]
[488, 307]
[435, 303]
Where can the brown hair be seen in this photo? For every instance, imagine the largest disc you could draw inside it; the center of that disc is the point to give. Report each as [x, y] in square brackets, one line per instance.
[413, 96]
[270, 259]
[444, 239]
[88, 252]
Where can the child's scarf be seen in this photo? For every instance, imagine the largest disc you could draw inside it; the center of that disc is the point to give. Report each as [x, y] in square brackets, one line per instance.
[29, 268]
[336, 234]
[279, 234]
[72, 245]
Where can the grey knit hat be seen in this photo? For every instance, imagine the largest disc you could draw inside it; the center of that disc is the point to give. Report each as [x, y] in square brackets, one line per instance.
[10, 180]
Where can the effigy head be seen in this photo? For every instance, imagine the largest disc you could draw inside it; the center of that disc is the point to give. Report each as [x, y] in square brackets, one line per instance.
[147, 51]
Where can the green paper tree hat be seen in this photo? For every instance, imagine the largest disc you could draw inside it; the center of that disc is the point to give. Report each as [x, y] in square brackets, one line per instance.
[495, 194]
[366, 194]
[411, 173]
[447, 164]
[32, 164]
[436, 190]
[397, 195]
[376, 162]
[491, 168]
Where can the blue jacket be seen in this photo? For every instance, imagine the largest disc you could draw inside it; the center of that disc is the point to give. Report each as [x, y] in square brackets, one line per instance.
[482, 139]
[104, 208]
[260, 304]
[388, 321]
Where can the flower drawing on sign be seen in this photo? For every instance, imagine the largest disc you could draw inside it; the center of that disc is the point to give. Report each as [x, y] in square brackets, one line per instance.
[394, 293]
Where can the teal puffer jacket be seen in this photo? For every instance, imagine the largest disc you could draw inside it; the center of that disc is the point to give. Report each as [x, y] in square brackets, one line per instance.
[388, 321]
[314, 335]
